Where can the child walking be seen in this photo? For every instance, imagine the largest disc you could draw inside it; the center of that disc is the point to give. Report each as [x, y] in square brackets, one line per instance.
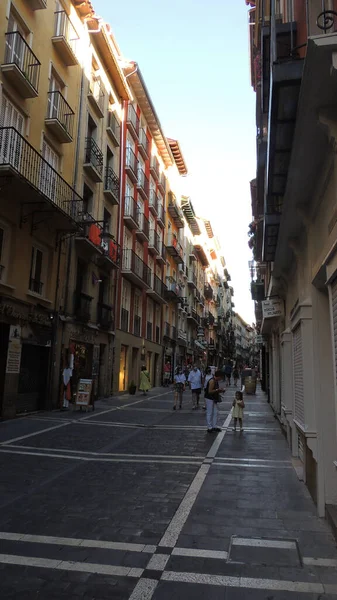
[238, 406]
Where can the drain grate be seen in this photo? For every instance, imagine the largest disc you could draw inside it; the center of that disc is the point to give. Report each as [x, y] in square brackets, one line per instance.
[265, 551]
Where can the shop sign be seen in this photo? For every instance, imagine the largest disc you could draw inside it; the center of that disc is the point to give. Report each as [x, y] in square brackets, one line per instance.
[272, 308]
[14, 350]
[9, 310]
[84, 388]
[82, 335]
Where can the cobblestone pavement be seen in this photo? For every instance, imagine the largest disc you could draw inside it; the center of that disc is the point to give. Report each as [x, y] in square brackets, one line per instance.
[136, 501]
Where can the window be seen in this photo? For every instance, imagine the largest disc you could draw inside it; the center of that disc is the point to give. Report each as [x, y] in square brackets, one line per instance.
[10, 142]
[10, 116]
[36, 265]
[137, 313]
[88, 199]
[55, 85]
[15, 43]
[48, 178]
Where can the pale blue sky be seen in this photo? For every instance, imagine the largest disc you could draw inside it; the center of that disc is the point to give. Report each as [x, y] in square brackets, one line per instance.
[194, 56]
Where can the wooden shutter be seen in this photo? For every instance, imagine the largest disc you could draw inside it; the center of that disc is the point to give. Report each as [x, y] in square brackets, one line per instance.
[298, 375]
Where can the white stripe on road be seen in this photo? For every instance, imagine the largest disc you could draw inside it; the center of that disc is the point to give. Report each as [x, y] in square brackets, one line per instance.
[319, 562]
[64, 565]
[158, 562]
[97, 459]
[174, 529]
[250, 466]
[197, 428]
[144, 589]
[244, 582]
[28, 435]
[251, 460]
[83, 543]
[260, 543]
[104, 412]
[196, 553]
[198, 458]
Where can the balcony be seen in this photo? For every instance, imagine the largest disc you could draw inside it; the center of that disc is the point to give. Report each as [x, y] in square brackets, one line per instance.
[33, 177]
[173, 333]
[161, 257]
[154, 167]
[143, 228]
[65, 39]
[167, 330]
[60, 118]
[36, 286]
[182, 337]
[96, 96]
[149, 329]
[111, 186]
[161, 215]
[143, 144]
[208, 292]
[89, 239]
[104, 316]
[257, 291]
[162, 183]
[131, 165]
[154, 242]
[174, 249]
[132, 122]
[191, 279]
[135, 270]
[157, 290]
[175, 211]
[37, 4]
[113, 128]
[131, 213]
[201, 254]
[82, 306]
[124, 319]
[172, 291]
[142, 183]
[111, 254]
[137, 325]
[153, 202]
[193, 316]
[21, 67]
[93, 160]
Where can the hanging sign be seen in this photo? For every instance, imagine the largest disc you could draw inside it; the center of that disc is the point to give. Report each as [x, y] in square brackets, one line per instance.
[272, 308]
[14, 350]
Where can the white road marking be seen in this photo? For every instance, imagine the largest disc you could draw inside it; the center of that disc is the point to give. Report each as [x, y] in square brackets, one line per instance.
[63, 565]
[104, 412]
[251, 460]
[216, 445]
[158, 562]
[28, 435]
[172, 533]
[244, 582]
[97, 459]
[63, 541]
[195, 552]
[197, 458]
[196, 428]
[260, 543]
[144, 589]
[250, 466]
[319, 562]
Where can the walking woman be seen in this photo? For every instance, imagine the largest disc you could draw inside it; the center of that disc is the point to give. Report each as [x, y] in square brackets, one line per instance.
[144, 381]
[179, 388]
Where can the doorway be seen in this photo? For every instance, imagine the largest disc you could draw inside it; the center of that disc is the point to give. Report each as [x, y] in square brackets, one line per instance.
[4, 336]
[123, 373]
[134, 365]
[155, 370]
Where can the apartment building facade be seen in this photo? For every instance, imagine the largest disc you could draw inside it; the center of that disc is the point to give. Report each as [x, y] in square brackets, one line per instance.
[294, 232]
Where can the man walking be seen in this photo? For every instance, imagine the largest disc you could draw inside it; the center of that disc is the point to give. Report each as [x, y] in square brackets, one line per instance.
[194, 380]
[212, 397]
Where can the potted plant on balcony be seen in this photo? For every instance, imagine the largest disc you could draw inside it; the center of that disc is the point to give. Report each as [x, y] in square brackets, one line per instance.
[132, 388]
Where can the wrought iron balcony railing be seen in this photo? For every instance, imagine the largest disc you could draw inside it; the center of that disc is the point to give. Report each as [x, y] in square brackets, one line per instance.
[153, 201]
[93, 155]
[131, 161]
[158, 286]
[111, 182]
[144, 227]
[82, 306]
[142, 183]
[65, 38]
[133, 119]
[96, 92]
[143, 143]
[113, 126]
[19, 156]
[161, 213]
[134, 264]
[58, 108]
[35, 285]
[154, 167]
[131, 209]
[18, 53]
[154, 240]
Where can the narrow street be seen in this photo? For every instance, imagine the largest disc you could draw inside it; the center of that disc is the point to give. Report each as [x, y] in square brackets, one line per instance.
[135, 501]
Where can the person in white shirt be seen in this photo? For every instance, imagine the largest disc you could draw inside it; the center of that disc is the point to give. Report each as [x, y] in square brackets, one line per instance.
[179, 388]
[194, 380]
[208, 375]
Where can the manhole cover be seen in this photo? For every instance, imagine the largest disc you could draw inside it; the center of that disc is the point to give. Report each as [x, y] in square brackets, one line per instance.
[265, 551]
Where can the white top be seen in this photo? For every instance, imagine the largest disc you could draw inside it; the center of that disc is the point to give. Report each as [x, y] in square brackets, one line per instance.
[180, 378]
[194, 379]
[207, 378]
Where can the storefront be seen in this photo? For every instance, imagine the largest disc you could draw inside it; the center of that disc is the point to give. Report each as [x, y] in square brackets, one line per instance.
[25, 342]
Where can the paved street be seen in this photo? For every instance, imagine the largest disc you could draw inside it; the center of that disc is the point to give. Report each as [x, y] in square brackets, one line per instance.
[136, 501]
